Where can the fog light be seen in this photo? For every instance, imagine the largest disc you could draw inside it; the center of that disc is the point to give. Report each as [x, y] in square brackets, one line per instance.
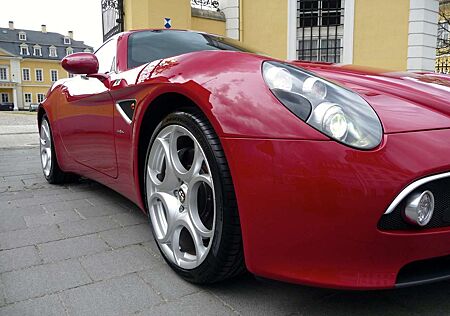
[419, 208]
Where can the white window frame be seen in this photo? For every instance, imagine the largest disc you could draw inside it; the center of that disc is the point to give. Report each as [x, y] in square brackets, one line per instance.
[6, 72]
[2, 96]
[36, 74]
[69, 51]
[23, 74]
[25, 97]
[22, 36]
[52, 49]
[51, 75]
[37, 49]
[67, 40]
[40, 95]
[24, 46]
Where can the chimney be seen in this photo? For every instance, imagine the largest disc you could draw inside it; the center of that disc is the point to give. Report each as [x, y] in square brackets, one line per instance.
[44, 28]
[70, 34]
[11, 25]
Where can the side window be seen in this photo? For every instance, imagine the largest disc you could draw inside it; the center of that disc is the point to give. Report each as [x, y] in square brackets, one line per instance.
[106, 56]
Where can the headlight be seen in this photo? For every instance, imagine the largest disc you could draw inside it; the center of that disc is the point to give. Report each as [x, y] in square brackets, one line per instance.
[331, 109]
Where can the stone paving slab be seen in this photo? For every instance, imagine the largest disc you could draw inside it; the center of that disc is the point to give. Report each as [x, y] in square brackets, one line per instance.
[82, 249]
[118, 262]
[18, 258]
[49, 305]
[71, 248]
[43, 279]
[18, 129]
[119, 296]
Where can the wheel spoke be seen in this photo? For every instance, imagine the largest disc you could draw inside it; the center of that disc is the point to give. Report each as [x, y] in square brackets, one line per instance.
[46, 131]
[170, 181]
[192, 203]
[166, 218]
[198, 158]
[175, 246]
[197, 237]
[197, 162]
[206, 178]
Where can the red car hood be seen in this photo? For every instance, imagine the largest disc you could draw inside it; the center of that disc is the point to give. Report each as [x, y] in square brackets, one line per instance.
[404, 101]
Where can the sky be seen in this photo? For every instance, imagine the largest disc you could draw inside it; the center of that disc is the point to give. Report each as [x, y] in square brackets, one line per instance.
[83, 17]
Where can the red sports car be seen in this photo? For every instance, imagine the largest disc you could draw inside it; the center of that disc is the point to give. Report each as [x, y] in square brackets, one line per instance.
[312, 173]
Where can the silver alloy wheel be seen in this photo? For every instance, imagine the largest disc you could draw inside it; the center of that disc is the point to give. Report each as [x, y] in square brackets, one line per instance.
[180, 197]
[46, 148]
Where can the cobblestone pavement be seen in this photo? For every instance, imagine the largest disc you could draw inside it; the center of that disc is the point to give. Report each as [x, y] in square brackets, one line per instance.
[18, 129]
[82, 249]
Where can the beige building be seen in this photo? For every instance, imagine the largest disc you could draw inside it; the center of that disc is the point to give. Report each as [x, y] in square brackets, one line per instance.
[30, 63]
[398, 35]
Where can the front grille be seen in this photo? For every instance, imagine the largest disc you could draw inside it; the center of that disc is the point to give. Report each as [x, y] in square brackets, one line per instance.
[441, 216]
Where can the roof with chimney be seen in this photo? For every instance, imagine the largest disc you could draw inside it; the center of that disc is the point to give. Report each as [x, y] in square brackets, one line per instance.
[12, 40]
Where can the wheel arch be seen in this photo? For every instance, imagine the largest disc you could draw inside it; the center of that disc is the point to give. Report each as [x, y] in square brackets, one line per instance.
[40, 115]
[149, 118]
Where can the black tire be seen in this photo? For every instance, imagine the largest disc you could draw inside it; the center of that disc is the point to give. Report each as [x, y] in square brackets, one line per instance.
[225, 258]
[56, 175]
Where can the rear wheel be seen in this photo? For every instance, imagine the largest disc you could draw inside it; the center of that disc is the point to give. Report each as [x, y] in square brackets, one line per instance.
[50, 167]
[191, 201]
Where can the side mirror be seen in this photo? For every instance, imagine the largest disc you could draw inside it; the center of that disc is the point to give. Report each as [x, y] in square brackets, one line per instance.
[80, 63]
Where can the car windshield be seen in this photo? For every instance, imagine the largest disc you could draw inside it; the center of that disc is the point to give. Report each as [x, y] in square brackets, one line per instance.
[147, 46]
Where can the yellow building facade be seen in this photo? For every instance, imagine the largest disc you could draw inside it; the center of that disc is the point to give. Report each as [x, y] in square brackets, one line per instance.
[30, 63]
[397, 35]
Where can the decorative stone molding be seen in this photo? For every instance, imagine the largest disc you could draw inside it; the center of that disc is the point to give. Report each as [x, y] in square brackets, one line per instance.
[422, 37]
[231, 10]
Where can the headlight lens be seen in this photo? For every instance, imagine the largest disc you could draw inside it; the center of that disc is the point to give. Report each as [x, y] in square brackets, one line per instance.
[333, 110]
[279, 78]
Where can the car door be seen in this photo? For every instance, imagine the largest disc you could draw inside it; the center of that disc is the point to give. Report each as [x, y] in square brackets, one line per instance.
[87, 116]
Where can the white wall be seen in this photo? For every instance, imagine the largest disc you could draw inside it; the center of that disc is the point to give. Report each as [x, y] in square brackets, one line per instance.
[422, 38]
[349, 26]
[231, 10]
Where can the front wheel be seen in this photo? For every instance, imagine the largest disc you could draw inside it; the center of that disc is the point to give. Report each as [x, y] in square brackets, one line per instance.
[190, 200]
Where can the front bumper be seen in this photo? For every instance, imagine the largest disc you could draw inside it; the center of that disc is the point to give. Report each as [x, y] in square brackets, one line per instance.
[309, 209]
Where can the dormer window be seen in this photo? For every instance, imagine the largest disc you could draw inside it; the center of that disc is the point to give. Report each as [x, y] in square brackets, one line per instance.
[52, 51]
[22, 36]
[37, 50]
[24, 50]
[69, 50]
[67, 40]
